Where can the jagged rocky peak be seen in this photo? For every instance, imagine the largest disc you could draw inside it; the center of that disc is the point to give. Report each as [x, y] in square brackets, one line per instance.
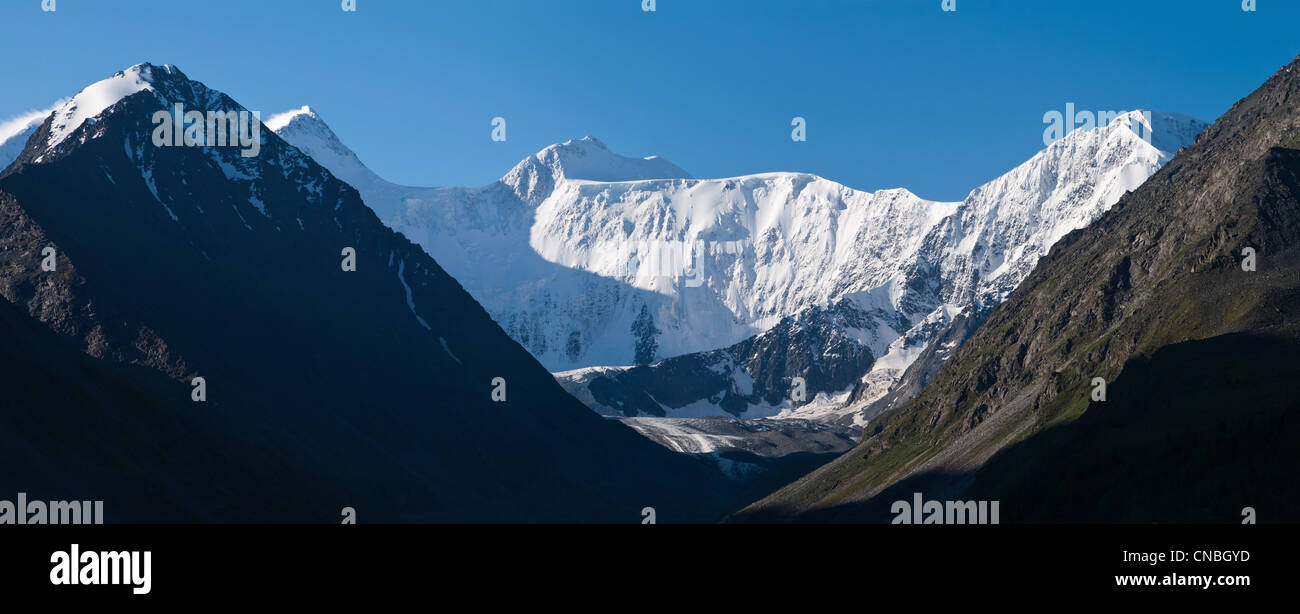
[187, 259]
[76, 120]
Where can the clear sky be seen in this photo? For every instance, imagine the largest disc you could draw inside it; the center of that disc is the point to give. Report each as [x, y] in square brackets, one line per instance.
[896, 93]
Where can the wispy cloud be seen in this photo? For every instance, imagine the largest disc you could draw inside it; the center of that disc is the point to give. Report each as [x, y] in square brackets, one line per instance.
[16, 125]
[280, 120]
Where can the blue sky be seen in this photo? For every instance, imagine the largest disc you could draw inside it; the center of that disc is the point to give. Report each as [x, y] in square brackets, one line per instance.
[896, 93]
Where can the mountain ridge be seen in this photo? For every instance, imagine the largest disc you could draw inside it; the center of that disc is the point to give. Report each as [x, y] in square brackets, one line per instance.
[370, 388]
[965, 266]
[1152, 287]
[575, 294]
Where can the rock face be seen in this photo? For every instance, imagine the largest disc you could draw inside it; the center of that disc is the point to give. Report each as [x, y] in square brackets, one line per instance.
[325, 388]
[905, 275]
[750, 378]
[1155, 299]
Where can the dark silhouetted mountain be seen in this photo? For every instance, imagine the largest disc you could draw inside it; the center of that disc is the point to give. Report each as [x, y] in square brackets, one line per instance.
[325, 388]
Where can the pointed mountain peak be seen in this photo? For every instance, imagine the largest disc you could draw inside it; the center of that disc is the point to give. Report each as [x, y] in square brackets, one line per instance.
[305, 129]
[304, 114]
[1167, 132]
[165, 82]
[96, 98]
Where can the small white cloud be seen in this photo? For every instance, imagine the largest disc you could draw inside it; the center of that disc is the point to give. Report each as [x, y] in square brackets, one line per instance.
[280, 120]
[18, 124]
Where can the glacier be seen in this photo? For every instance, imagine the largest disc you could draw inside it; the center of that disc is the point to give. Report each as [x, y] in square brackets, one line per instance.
[593, 260]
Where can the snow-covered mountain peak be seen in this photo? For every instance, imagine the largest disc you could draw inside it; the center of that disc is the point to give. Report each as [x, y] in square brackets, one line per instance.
[587, 257]
[125, 113]
[305, 129]
[1167, 131]
[818, 269]
[1009, 222]
[165, 83]
[99, 96]
[589, 159]
[305, 113]
[585, 143]
[1161, 131]
[532, 180]
[585, 159]
[896, 193]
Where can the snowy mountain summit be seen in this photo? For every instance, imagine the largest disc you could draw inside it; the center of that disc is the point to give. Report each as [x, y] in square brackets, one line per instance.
[907, 271]
[531, 180]
[70, 114]
[597, 263]
[325, 372]
[589, 258]
[585, 159]
[97, 97]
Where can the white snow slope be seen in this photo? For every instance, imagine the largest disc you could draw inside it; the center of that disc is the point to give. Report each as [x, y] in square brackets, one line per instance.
[568, 248]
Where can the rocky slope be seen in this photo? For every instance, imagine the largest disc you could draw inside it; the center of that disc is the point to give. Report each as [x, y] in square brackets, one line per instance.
[325, 388]
[1154, 299]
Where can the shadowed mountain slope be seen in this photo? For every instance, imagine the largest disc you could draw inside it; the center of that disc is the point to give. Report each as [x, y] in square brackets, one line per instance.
[325, 388]
[1157, 281]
